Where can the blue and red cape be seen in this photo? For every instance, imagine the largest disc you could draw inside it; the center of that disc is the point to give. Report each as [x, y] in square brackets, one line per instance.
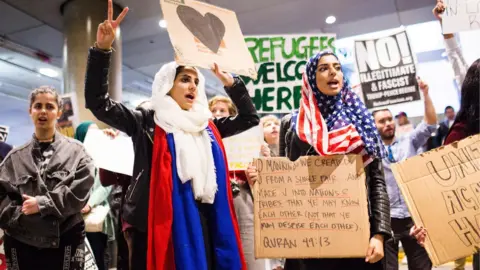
[175, 236]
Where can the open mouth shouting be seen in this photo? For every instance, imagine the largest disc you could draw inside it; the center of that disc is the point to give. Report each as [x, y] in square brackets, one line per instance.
[190, 97]
[334, 84]
[42, 120]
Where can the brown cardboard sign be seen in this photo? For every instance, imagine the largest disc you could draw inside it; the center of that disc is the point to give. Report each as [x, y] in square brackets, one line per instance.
[315, 207]
[442, 192]
[202, 34]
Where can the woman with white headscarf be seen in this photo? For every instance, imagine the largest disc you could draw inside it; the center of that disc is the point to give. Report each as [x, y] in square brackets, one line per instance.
[179, 206]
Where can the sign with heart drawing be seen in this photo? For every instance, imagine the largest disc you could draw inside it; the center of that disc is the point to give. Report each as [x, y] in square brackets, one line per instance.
[202, 34]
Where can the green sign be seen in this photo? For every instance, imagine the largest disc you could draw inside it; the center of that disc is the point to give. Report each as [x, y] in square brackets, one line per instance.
[280, 62]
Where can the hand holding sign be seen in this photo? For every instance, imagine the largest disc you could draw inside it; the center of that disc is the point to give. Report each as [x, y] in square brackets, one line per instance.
[423, 86]
[106, 30]
[419, 233]
[225, 77]
[252, 174]
[438, 10]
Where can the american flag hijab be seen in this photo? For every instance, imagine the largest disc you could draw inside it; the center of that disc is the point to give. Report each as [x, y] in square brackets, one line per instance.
[335, 125]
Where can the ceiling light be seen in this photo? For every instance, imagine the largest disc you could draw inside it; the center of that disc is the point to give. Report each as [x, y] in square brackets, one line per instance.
[48, 72]
[162, 23]
[330, 19]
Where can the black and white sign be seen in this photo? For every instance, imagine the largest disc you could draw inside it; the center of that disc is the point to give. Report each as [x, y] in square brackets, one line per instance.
[3, 133]
[90, 263]
[387, 70]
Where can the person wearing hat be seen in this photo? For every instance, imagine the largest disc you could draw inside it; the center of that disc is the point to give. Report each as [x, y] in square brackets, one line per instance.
[403, 124]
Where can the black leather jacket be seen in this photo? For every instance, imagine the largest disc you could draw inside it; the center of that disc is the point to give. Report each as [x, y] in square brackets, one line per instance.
[379, 206]
[140, 126]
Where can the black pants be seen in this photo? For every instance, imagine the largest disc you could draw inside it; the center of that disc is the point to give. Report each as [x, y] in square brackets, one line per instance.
[417, 256]
[98, 242]
[138, 248]
[476, 261]
[122, 249]
[70, 255]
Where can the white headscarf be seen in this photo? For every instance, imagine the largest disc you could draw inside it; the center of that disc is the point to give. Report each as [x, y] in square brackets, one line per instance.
[192, 141]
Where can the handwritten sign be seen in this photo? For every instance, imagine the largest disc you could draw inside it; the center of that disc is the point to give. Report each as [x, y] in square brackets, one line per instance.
[115, 155]
[446, 180]
[461, 15]
[243, 148]
[311, 207]
[202, 34]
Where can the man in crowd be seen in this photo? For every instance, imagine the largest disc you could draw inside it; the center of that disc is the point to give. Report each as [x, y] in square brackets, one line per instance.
[403, 124]
[445, 125]
[399, 148]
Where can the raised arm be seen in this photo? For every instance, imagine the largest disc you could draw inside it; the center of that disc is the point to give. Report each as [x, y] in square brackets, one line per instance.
[430, 116]
[247, 114]
[423, 131]
[97, 99]
[454, 52]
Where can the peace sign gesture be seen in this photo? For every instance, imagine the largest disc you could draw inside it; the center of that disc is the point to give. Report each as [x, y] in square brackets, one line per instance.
[106, 30]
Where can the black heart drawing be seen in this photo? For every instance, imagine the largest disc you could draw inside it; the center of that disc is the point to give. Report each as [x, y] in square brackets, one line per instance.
[209, 29]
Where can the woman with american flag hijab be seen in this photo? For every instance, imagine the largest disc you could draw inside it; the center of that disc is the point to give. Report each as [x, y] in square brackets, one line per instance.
[332, 120]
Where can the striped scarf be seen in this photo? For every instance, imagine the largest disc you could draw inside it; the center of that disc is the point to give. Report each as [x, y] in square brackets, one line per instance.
[335, 125]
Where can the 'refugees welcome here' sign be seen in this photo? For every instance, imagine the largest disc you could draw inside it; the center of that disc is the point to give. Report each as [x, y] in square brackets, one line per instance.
[280, 61]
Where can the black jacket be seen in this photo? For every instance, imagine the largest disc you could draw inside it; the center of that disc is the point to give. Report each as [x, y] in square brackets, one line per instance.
[379, 206]
[139, 125]
[442, 132]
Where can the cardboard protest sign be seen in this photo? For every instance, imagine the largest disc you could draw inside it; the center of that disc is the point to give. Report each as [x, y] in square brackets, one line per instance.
[70, 115]
[281, 61]
[461, 15]
[241, 149]
[387, 70]
[202, 34]
[442, 192]
[311, 207]
[115, 155]
[4, 130]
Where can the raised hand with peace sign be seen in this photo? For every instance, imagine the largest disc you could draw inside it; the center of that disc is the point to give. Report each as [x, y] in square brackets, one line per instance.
[106, 30]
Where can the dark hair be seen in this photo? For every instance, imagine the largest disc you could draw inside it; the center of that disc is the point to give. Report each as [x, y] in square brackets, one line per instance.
[179, 69]
[449, 108]
[381, 110]
[469, 105]
[45, 90]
